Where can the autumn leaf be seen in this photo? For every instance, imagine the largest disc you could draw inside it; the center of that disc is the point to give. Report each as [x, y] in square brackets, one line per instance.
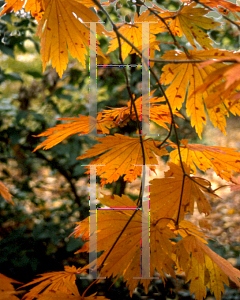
[183, 80]
[53, 282]
[123, 157]
[60, 28]
[78, 125]
[7, 290]
[165, 194]
[186, 228]
[4, 192]
[223, 160]
[74, 294]
[191, 21]
[204, 268]
[36, 7]
[133, 32]
[222, 84]
[125, 258]
[222, 3]
[158, 113]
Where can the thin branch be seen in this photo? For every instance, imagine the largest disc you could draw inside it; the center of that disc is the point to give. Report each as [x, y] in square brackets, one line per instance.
[115, 27]
[119, 35]
[135, 110]
[162, 20]
[173, 124]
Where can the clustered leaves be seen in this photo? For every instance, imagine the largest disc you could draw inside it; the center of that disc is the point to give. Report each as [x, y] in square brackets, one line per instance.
[207, 84]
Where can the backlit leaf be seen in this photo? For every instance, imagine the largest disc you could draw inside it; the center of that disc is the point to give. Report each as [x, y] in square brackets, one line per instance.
[53, 282]
[147, 108]
[125, 258]
[204, 268]
[183, 80]
[133, 32]
[36, 7]
[222, 84]
[222, 3]
[60, 28]
[223, 160]
[76, 125]
[191, 21]
[123, 157]
[165, 194]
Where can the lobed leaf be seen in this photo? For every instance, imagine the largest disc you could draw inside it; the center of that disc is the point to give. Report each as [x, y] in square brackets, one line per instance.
[53, 282]
[223, 160]
[185, 78]
[165, 194]
[125, 258]
[60, 27]
[204, 268]
[122, 155]
[191, 21]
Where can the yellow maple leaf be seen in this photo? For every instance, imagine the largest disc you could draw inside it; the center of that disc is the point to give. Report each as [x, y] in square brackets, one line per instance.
[133, 32]
[165, 195]
[222, 84]
[36, 7]
[190, 20]
[223, 160]
[204, 267]
[122, 156]
[59, 28]
[53, 282]
[125, 258]
[183, 80]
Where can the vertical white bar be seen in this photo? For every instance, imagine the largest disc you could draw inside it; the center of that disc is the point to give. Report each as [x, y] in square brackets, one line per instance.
[93, 173]
[92, 220]
[145, 79]
[93, 76]
[145, 225]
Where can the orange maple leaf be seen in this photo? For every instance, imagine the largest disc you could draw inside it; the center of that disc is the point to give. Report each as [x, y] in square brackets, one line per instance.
[158, 113]
[184, 78]
[223, 84]
[204, 268]
[125, 258]
[189, 20]
[4, 192]
[53, 282]
[78, 125]
[123, 157]
[73, 293]
[7, 290]
[223, 160]
[165, 195]
[59, 27]
[222, 3]
[36, 7]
